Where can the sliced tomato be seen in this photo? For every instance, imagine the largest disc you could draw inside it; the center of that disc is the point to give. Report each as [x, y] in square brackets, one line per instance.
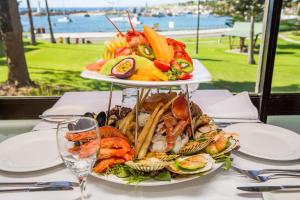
[162, 65]
[124, 51]
[184, 76]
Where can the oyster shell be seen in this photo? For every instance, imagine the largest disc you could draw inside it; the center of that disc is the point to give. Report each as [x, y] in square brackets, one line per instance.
[209, 165]
[148, 165]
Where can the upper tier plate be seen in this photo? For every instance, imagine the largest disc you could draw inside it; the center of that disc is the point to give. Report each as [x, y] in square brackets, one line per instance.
[200, 75]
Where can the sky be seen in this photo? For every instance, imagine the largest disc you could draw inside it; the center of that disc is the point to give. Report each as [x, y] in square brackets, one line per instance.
[97, 3]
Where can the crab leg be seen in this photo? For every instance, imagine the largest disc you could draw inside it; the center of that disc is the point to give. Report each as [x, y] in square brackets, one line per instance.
[189, 106]
[115, 26]
[130, 22]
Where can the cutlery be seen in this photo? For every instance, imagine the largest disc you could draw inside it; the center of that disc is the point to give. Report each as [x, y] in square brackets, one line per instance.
[255, 173]
[275, 176]
[268, 188]
[36, 189]
[40, 184]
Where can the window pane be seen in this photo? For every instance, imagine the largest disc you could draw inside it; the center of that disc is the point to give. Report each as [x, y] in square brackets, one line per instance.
[223, 41]
[286, 77]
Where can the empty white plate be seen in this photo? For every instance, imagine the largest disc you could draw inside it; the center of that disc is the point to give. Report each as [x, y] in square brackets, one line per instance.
[30, 151]
[267, 141]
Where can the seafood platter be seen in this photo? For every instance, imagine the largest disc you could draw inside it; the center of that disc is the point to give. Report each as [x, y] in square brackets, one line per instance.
[172, 141]
[145, 58]
[164, 138]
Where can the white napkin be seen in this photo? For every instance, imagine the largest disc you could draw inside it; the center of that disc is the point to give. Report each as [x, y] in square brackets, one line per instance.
[205, 98]
[78, 103]
[235, 107]
[281, 195]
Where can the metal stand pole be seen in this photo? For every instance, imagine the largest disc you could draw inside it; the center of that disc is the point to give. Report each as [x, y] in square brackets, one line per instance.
[109, 102]
[190, 112]
[137, 117]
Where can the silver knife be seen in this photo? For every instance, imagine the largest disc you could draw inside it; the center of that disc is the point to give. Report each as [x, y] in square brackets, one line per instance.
[36, 189]
[41, 184]
[268, 188]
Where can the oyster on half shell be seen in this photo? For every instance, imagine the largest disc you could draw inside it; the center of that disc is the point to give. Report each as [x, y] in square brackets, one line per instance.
[206, 164]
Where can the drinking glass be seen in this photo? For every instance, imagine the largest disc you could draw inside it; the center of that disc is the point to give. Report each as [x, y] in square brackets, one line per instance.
[78, 141]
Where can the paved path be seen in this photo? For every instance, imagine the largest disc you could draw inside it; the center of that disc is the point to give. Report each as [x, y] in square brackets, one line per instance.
[284, 37]
[100, 36]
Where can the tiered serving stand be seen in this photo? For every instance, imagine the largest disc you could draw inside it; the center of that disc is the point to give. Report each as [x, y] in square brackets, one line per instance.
[199, 75]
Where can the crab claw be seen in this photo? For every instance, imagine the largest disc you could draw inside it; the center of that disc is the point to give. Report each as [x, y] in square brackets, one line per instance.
[180, 108]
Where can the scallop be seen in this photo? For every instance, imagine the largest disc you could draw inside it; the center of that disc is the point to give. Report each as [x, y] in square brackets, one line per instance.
[193, 147]
[234, 143]
[166, 157]
[149, 165]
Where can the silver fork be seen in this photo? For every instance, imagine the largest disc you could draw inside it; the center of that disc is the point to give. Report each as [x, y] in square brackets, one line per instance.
[255, 173]
[274, 176]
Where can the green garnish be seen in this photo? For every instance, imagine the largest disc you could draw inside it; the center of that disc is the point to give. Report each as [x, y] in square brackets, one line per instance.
[135, 176]
[163, 176]
[227, 160]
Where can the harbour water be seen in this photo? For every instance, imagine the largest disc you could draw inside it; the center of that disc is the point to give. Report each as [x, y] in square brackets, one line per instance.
[98, 23]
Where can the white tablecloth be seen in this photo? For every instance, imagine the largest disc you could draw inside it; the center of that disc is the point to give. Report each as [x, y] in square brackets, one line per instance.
[220, 185]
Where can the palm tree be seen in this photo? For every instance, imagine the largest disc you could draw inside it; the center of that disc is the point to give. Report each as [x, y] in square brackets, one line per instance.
[11, 31]
[49, 23]
[32, 34]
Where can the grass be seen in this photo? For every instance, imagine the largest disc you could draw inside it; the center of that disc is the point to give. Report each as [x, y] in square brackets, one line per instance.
[57, 67]
[295, 35]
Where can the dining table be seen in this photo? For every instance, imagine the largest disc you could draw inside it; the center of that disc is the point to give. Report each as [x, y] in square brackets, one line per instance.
[219, 185]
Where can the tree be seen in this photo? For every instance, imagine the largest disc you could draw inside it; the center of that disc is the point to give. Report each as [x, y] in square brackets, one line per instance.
[32, 34]
[52, 39]
[11, 31]
[241, 10]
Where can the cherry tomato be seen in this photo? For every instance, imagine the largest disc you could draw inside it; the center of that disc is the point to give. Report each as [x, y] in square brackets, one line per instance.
[162, 65]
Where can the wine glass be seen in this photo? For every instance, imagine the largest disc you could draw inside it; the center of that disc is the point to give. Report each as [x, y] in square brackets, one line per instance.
[78, 142]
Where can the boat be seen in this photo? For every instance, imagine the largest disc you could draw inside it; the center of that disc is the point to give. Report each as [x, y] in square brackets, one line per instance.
[119, 19]
[86, 15]
[135, 21]
[64, 19]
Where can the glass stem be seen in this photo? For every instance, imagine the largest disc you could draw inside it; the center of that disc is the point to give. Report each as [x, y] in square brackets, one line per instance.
[82, 182]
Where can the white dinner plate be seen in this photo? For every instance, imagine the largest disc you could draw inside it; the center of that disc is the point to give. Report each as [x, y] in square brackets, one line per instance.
[114, 179]
[200, 75]
[267, 141]
[30, 151]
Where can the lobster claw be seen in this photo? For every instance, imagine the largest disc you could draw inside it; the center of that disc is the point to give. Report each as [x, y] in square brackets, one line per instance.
[180, 108]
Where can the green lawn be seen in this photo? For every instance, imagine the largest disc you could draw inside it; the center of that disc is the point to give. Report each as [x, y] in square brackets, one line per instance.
[56, 67]
[294, 35]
